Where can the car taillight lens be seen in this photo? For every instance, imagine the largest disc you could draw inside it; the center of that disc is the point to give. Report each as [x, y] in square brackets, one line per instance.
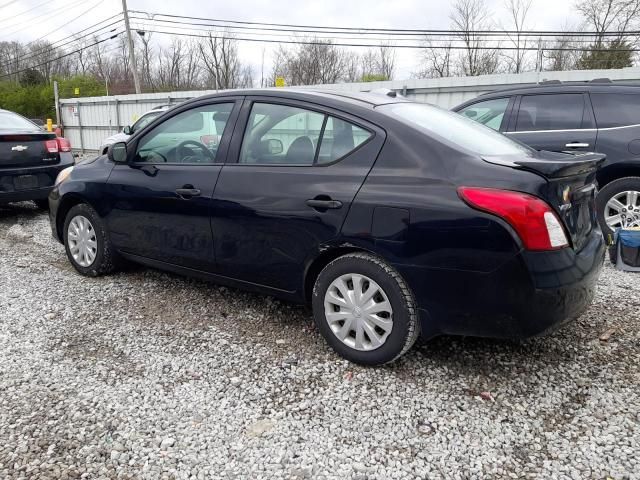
[534, 221]
[64, 145]
[51, 146]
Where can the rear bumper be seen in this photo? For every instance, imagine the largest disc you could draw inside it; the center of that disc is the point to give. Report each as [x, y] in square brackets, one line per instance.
[530, 295]
[46, 177]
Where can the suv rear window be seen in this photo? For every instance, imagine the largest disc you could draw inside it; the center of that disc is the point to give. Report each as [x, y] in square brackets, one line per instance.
[616, 109]
[562, 111]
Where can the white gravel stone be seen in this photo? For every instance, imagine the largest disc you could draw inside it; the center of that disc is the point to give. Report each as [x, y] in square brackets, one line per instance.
[147, 375]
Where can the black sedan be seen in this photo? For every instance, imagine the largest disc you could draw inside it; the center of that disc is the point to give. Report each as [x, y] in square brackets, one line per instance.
[393, 219]
[30, 160]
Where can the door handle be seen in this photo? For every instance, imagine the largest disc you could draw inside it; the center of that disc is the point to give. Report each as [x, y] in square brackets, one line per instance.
[187, 193]
[577, 145]
[324, 204]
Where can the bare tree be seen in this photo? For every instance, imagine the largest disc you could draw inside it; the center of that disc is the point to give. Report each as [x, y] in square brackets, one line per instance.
[610, 15]
[518, 11]
[219, 54]
[437, 61]
[314, 62]
[386, 61]
[469, 17]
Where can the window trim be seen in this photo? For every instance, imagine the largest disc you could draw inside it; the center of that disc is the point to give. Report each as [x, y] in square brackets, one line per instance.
[224, 141]
[233, 156]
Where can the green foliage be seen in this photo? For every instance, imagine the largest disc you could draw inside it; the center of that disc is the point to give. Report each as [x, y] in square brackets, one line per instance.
[613, 55]
[31, 77]
[37, 100]
[374, 77]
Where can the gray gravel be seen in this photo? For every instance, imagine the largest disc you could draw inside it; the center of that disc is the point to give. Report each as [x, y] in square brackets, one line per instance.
[149, 375]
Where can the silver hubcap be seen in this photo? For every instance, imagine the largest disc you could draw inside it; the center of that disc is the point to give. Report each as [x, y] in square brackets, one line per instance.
[82, 241]
[623, 210]
[358, 312]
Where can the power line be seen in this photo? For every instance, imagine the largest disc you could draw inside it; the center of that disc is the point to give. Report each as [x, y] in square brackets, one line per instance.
[67, 23]
[61, 56]
[158, 23]
[76, 33]
[421, 47]
[398, 31]
[26, 11]
[49, 15]
[59, 43]
[8, 3]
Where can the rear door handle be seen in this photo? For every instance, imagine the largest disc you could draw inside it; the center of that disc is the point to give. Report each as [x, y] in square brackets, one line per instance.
[187, 193]
[577, 145]
[324, 204]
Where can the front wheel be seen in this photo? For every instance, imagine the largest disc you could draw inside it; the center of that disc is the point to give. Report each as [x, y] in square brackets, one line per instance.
[618, 205]
[87, 242]
[365, 310]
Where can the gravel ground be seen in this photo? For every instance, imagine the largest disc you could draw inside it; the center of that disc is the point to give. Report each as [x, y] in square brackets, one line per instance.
[148, 375]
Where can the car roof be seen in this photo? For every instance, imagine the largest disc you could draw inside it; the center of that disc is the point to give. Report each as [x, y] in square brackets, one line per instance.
[596, 86]
[370, 99]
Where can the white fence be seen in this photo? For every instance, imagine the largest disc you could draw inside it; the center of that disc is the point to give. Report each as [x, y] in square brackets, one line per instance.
[89, 120]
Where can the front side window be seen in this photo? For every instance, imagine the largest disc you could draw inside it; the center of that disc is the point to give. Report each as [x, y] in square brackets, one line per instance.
[455, 129]
[286, 135]
[550, 112]
[616, 110]
[489, 112]
[192, 136]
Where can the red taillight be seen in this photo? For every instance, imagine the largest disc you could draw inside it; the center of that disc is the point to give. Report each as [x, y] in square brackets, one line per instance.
[64, 145]
[534, 221]
[51, 146]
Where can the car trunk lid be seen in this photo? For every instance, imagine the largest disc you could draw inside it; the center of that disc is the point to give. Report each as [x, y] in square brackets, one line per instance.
[26, 149]
[570, 188]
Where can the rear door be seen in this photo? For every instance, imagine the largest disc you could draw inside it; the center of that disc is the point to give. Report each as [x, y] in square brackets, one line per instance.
[293, 171]
[560, 122]
[494, 112]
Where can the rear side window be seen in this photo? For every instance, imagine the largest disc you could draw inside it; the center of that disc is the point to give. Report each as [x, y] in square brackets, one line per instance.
[550, 112]
[340, 138]
[616, 110]
[11, 121]
[489, 112]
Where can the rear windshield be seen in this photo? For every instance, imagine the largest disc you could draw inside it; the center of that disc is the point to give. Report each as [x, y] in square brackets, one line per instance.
[616, 109]
[13, 121]
[455, 129]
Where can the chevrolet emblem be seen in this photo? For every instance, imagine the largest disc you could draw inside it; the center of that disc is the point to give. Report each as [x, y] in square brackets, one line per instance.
[19, 148]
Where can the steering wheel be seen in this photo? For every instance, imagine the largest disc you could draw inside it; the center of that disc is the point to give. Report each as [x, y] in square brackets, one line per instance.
[194, 143]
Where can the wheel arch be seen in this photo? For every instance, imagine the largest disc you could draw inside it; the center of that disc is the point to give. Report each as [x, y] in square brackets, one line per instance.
[321, 260]
[616, 171]
[67, 203]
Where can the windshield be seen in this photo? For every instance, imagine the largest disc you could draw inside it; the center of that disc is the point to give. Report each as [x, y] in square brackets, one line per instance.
[13, 121]
[145, 120]
[455, 129]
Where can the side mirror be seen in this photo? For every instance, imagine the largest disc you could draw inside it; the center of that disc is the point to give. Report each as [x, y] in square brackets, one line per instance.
[470, 114]
[117, 152]
[127, 130]
[275, 146]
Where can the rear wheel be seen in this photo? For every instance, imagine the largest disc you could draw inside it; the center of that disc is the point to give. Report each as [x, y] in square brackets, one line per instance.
[365, 310]
[87, 242]
[618, 204]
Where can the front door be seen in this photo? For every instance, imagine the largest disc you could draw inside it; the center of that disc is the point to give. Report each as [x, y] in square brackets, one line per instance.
[297, 169]
[162, 196]
[558, 122]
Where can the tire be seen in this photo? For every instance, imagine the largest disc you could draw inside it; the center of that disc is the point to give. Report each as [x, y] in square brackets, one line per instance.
[105, 260]
[609, 191]
[371, 273]
[42, 203]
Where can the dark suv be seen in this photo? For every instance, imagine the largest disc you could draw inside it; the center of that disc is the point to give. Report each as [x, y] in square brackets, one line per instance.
[596, 116]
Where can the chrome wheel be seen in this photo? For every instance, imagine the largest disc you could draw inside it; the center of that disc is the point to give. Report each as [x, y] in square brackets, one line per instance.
[358, 312]
[82, 241]
[623, 210]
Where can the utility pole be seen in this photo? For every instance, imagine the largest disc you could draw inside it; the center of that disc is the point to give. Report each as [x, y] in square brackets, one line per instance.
[132, 57]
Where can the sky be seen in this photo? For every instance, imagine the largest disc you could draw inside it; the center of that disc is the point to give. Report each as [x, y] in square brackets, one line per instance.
[28, 20]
